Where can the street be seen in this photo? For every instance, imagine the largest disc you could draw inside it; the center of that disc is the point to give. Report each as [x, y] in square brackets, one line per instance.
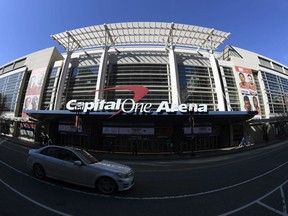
[252, 182]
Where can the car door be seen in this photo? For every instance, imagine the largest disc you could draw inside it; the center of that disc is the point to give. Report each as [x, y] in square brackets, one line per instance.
[51, 162]
[71, 172]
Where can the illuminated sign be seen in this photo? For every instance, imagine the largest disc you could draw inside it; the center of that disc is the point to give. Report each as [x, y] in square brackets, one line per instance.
[132, 105]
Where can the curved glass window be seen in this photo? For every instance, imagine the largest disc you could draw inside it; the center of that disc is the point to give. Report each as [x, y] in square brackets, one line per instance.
[9, 88]
[231, 91]
[82, 83]
[197, 86]
[276, 88]
[50, 88]
[152, 76]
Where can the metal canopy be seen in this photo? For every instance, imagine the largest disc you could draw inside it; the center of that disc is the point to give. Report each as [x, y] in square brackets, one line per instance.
[217, 117]
[141, 33]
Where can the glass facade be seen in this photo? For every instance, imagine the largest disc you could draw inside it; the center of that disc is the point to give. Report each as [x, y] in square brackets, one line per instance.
[10, 88]
[153, 76]
[197, 86]
[231, 91]
[276, 88]
[81, 83]
[50, 88]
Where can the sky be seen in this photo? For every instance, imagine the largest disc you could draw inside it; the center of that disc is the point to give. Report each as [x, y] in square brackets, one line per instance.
[260, 26]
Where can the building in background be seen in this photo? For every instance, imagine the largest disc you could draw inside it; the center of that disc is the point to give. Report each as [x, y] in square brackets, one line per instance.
[198, 97]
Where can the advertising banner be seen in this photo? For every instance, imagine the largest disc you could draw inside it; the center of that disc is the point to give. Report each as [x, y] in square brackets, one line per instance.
[33, 91]
[246, 84]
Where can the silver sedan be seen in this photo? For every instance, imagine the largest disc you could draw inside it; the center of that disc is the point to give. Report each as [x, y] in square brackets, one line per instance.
[79, 167]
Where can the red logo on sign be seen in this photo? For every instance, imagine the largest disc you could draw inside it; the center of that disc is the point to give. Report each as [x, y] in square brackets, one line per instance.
[139, 92]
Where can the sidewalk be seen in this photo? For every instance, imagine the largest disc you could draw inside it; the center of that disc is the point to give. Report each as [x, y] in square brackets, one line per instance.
[153, 156]
[22, 142]
[182, 156]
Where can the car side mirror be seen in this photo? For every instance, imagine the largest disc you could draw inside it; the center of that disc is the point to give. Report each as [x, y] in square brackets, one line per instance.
[78, 163]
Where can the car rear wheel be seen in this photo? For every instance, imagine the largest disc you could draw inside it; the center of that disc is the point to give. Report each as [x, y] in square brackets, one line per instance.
[39, 171]
[106, 185]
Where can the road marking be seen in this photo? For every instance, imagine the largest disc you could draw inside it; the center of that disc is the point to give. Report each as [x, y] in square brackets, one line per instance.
[270, 208]
[249, 156]
[259, 202]
[33, 201]
[283, 200]
[171, 197]
[185, 195]
[16, 170]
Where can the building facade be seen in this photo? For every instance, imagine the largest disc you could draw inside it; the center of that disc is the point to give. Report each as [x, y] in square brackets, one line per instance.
[195, 98]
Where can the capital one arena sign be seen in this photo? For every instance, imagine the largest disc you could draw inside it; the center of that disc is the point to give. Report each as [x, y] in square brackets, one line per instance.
[132, 105]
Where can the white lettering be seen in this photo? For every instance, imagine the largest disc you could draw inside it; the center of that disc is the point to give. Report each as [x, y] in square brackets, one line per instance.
[202, 108]
[192, 107]
[163, 107]
[147, 108]
[118, 104]
[79, 106]
[110, 105]
[101, 104]
[129, 106]
[174, 108]
[182, 108]
[69, 103]
[124, 103]
[88, 106]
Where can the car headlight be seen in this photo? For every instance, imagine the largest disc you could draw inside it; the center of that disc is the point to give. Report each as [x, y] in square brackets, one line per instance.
[122, 175]
[130, 174]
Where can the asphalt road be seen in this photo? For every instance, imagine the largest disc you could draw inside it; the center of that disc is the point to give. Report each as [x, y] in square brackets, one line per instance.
[252, 182]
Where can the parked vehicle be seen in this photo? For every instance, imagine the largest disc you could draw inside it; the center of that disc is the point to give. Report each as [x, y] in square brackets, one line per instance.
[79, 167]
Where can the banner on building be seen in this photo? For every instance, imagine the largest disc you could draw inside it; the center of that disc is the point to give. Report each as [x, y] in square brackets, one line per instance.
[246, 84]
[33, 91]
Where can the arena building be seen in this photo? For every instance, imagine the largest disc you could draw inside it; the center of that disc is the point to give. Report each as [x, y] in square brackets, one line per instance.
[145, 87]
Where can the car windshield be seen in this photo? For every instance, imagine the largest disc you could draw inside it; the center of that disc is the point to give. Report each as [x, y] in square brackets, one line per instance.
[85, 156]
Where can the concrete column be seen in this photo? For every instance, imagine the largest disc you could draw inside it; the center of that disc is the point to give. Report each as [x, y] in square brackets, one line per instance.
[101, 74]
[62, 78]
[175, 89]
[218, 83]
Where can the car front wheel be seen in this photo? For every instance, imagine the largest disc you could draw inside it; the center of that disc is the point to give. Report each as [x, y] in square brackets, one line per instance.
[38, 171]
[106, 185]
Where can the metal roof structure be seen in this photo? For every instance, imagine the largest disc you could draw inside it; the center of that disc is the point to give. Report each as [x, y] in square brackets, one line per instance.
[141, 33]
[219, 117]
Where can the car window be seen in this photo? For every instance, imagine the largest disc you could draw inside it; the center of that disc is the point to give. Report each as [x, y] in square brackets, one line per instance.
[59, 153]
[85, 156]
[51, 152]
[67, 155]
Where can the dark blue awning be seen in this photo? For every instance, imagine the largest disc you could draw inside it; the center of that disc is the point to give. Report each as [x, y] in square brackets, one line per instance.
[220, 117]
